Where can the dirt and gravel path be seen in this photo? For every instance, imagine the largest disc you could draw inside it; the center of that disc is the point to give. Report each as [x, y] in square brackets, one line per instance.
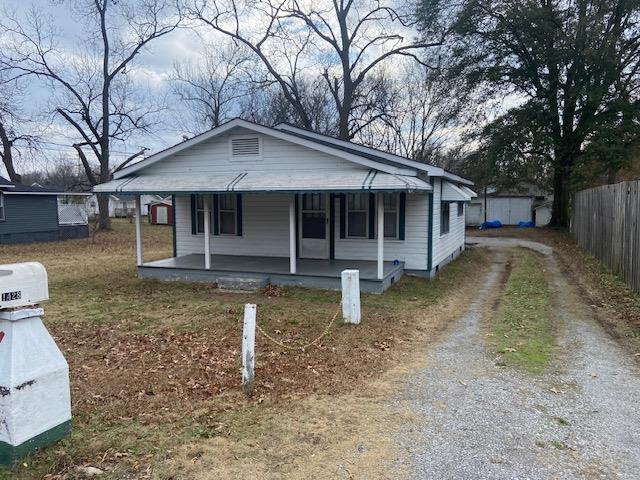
[579, 420]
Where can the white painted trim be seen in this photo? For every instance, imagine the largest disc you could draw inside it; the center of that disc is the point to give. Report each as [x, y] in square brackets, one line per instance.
[380, 234]
[292, 234]
[139, 247]
[206, 201]
[281, 134]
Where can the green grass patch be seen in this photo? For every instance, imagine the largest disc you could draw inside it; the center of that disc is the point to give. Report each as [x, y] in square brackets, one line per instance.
[522, 329]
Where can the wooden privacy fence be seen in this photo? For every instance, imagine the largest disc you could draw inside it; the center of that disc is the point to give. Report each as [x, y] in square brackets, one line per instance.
[606, 221]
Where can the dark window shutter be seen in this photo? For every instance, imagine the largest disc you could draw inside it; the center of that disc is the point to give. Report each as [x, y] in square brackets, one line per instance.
[216, 207]
[372, 215]
[239, 214]
[401, 209]
[343, 215]
[194, 216]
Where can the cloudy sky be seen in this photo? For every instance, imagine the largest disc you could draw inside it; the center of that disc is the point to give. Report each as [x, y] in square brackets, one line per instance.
[149, 73]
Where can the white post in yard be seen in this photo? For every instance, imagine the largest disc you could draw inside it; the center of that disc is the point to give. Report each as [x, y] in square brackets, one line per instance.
[248, 347]
[292, 234]
[207, 231]
[380, 208]
[351, 296]
[139, 254]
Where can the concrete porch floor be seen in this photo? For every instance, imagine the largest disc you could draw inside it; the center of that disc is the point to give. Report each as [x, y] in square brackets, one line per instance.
[312, 273]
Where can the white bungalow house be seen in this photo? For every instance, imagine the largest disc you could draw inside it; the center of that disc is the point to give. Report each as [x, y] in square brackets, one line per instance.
[292, 207]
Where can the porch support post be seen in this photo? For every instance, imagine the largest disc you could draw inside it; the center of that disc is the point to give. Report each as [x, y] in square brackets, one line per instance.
[207, 231]
[380, 211]
[139, 253]
[292, 234]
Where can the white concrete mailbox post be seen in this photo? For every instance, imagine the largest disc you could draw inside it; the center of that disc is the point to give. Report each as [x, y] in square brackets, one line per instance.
[351, 296]
[35, 400]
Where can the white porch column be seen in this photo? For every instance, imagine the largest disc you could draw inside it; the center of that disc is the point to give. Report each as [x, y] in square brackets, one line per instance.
[380, 211]
[207, 231]
[139, 253]
[292, 234]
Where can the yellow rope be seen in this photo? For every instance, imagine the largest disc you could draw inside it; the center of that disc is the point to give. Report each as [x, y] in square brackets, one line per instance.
[302, 347]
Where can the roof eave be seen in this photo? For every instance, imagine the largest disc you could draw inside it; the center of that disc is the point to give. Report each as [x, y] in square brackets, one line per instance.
[282, 134]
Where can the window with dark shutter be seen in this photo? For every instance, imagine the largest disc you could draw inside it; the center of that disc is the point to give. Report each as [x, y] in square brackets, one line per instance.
[200, 214]
[357, 215]
[390, 215]
[227, 216]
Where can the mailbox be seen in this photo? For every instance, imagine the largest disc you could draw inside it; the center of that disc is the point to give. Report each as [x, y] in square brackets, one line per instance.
[35, 399]
[23, 284]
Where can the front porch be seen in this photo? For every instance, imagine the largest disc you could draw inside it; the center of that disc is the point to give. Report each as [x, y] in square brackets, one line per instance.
[310, 273]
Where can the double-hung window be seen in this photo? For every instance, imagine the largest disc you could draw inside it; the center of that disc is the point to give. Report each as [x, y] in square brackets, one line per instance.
[226, 211]
[391, 216]
[460, 209]
[200, 214]
[444, 217]
[1, 207]
[227, 214]
[357, 215]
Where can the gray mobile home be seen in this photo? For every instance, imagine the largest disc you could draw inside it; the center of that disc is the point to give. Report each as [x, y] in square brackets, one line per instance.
[30, 214]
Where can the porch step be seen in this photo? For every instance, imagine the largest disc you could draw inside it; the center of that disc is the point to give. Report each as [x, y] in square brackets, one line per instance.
[242, 284]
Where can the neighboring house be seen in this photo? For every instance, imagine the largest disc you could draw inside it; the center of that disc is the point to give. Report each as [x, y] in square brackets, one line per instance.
[510, 206]
[122, 206]
[161, 212]
[33, 214]
[292, 207]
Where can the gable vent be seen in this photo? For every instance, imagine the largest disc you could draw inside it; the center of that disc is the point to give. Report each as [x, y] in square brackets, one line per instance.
[247, 148]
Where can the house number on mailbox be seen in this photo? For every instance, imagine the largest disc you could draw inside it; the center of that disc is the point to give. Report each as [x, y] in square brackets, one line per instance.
[9, 296]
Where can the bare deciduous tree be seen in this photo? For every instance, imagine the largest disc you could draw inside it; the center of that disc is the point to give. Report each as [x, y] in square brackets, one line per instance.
[345, 41]
[90, 87]
[212, 88]
[15, 139]
[417, 108]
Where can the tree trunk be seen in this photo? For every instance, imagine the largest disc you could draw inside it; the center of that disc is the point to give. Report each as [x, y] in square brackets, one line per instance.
[561, 195]
[7, 155]
[104, 220]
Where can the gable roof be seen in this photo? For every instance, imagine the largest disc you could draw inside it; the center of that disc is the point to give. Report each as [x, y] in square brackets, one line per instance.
[384, 165]
[9, 187]
[350, 151]
[372, 153]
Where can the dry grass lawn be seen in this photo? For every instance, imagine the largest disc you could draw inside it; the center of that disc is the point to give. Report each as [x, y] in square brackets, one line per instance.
[155, 366]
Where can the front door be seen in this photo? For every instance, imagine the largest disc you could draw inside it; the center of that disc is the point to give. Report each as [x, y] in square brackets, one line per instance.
[314, 225]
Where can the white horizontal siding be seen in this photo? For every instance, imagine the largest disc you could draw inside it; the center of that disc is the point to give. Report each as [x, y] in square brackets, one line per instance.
[412, 250]
[265, 232]
[265, 229]
[447, 244]
[214, 156]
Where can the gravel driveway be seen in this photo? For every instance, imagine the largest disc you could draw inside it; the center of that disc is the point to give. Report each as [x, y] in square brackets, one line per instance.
[580, 420]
